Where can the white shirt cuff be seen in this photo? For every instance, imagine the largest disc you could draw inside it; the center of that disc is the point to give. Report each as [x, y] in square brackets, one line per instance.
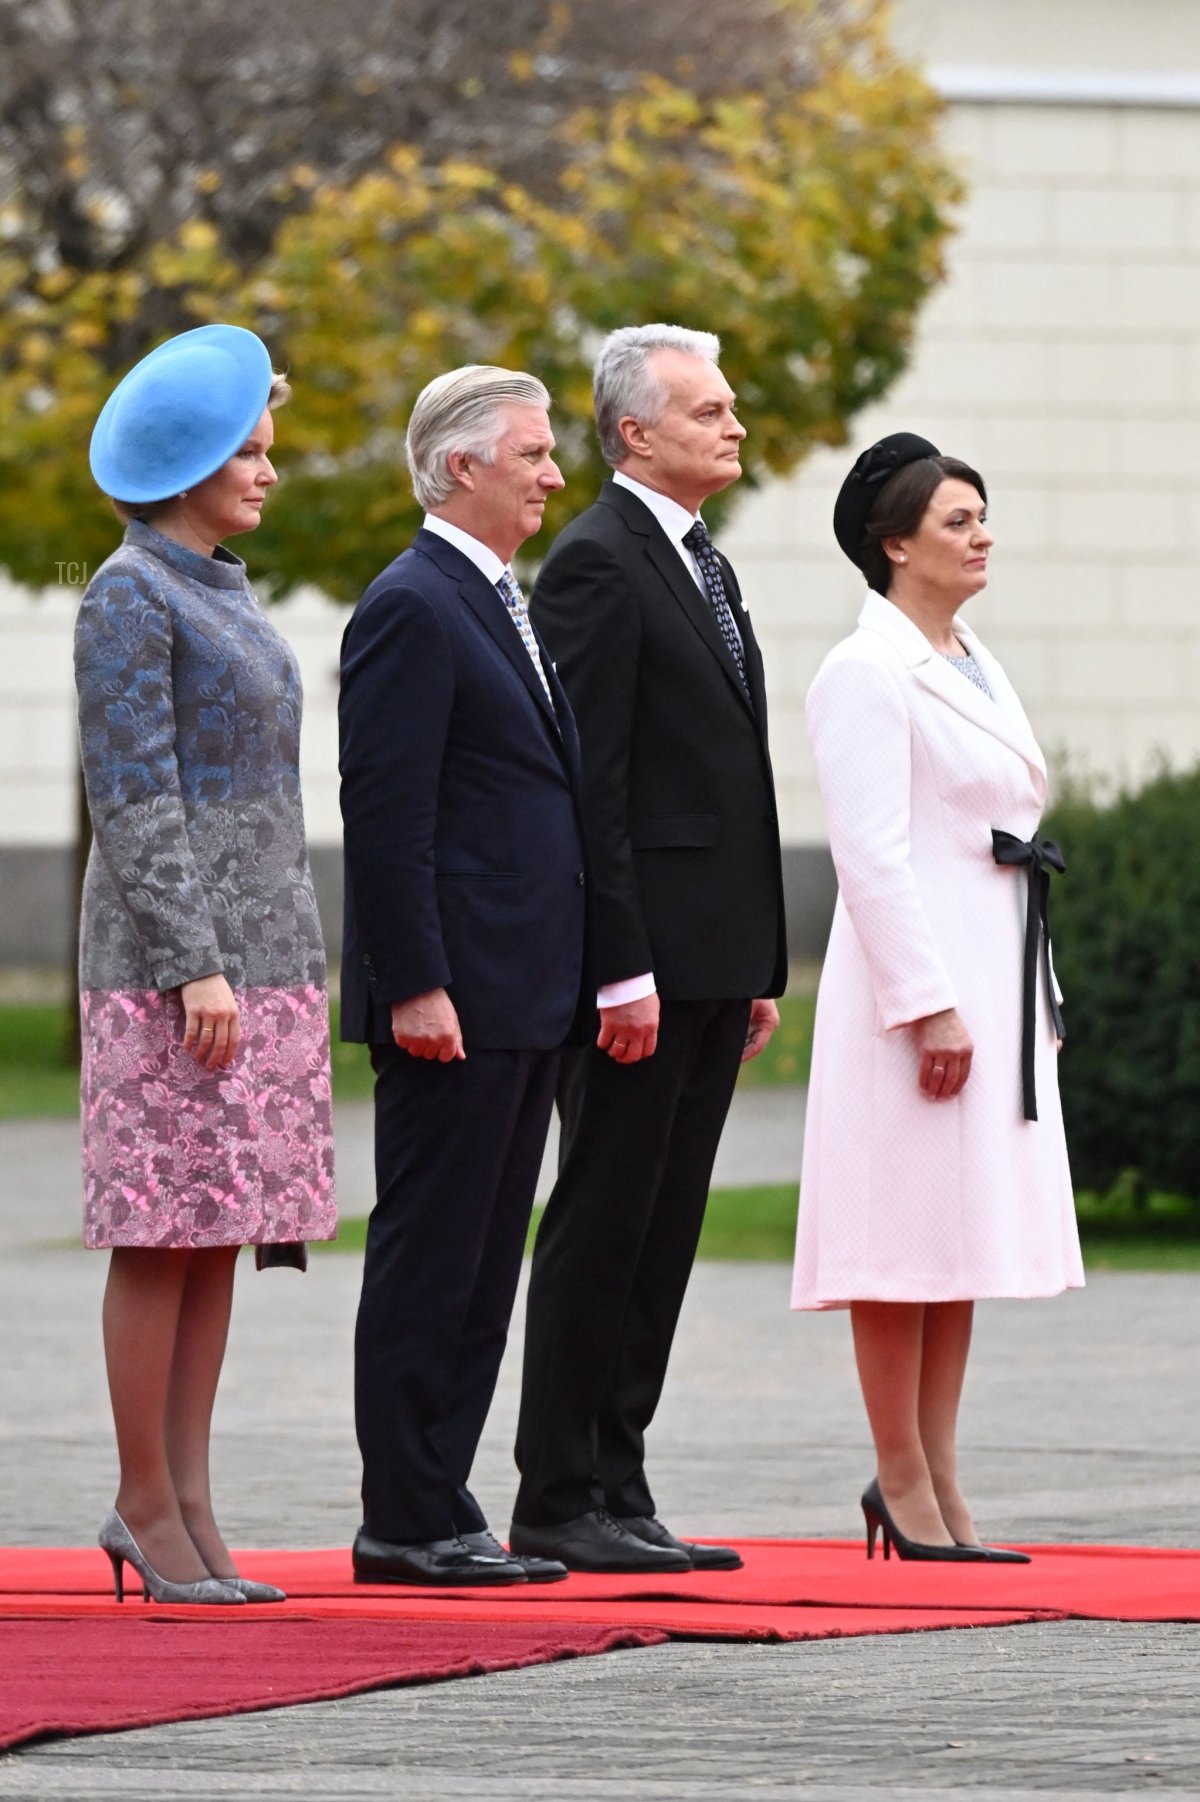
[630, 988]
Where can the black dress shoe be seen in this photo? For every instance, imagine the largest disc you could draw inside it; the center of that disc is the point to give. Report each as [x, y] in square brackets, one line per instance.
[446, 1561]
[538, 1570]
[702, 1557]
[596, 1542]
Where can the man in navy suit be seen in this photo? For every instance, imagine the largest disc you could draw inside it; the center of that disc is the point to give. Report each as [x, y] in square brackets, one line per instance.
[463, 960]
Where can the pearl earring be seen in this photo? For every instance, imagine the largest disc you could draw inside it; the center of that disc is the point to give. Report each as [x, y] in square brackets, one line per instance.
[904, 556]
[182, 495]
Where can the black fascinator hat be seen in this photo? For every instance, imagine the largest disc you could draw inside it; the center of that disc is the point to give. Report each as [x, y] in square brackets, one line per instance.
[860, 490]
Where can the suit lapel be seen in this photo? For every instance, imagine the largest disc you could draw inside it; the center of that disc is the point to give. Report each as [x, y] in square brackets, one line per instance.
[1001, 715]
[756, 679]
[1007, 699]
[678, 578]
[568, 732]
[486, 604]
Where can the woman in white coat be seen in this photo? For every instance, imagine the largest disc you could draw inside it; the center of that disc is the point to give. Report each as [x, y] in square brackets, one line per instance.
[935, 1166]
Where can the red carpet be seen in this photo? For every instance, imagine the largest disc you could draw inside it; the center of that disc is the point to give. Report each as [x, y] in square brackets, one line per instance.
[82, 1663]
[95, 1676]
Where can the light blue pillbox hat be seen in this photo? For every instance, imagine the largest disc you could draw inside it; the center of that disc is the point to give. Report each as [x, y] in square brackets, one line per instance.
[181, 413]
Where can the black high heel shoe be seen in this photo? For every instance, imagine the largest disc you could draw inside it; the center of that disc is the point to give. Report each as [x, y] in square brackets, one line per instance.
[995, 1554]
[878, 1519]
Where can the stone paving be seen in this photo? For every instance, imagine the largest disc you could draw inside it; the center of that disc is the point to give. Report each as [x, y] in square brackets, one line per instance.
[1080, 1423]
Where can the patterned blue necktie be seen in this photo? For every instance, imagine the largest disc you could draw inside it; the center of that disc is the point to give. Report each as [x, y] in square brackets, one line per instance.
[697, 540]
[514, 600]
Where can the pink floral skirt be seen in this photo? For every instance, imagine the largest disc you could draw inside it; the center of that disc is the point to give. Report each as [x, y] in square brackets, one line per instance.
[176, 1155]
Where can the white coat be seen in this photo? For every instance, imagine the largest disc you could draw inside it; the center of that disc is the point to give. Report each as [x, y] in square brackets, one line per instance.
[903, 1198]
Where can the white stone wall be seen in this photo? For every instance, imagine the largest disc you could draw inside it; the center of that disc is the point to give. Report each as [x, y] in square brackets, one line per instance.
[38, 755]
[37, 732]
[1062, 358]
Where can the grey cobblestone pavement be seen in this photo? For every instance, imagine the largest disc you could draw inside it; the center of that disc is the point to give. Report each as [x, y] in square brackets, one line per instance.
[1080, 1424]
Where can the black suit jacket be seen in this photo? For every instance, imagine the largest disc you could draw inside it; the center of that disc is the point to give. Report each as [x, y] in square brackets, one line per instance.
[679, 800]
[464, 858]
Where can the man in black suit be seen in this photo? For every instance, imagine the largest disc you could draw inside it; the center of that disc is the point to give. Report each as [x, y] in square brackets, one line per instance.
[463, 961]
[656, 652]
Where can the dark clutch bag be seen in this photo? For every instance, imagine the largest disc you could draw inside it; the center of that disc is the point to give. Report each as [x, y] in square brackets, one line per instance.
[291, 1255]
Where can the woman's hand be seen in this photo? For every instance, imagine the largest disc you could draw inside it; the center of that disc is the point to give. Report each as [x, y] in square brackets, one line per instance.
[212, 1029]
[946, 1052]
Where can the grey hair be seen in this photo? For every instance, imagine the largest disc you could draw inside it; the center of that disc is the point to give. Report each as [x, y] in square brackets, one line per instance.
[624, 386]
[462, 411]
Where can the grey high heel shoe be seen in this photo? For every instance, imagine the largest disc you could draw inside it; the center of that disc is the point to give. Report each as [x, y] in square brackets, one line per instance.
[122, 1548]
[254, 1592]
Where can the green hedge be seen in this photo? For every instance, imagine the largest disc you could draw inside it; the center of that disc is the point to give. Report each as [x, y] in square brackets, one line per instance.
[1126, 928]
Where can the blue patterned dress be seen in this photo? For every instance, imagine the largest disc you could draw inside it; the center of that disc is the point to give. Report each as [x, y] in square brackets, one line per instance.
[189, 727]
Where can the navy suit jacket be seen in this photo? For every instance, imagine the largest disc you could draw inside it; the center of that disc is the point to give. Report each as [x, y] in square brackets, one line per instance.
[464, 858]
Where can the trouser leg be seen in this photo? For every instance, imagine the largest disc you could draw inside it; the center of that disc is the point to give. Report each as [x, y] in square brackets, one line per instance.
[665, 1265]
[617, 1124]
[443, 1141]
[485, 1329]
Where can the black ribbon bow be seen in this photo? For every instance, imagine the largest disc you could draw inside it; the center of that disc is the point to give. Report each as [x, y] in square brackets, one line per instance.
[1040, 855]
[877, 465]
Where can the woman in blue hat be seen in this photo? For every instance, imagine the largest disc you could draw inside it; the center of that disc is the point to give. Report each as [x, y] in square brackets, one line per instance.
[206, 1085]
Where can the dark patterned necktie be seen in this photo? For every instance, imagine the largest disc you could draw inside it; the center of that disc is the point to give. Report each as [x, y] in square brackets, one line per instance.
[697, 540]
[514, 600]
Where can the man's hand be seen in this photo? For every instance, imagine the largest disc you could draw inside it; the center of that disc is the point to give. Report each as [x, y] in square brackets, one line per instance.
[629, 1033]
[211, 1025]
[427, 1026]
[946, 1052]
[764, 1018]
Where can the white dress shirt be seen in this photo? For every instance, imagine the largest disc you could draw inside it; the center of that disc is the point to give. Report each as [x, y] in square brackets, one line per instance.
[675, 520]
[485, 560]
[488, 564]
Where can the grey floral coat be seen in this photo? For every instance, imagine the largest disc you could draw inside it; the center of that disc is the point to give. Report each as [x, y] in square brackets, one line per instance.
[189, 728]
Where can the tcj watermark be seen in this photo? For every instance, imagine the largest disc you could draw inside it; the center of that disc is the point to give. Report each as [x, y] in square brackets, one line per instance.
[73, 575]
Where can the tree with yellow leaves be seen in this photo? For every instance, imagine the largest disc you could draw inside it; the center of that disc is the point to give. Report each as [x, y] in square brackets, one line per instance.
[802, 218]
